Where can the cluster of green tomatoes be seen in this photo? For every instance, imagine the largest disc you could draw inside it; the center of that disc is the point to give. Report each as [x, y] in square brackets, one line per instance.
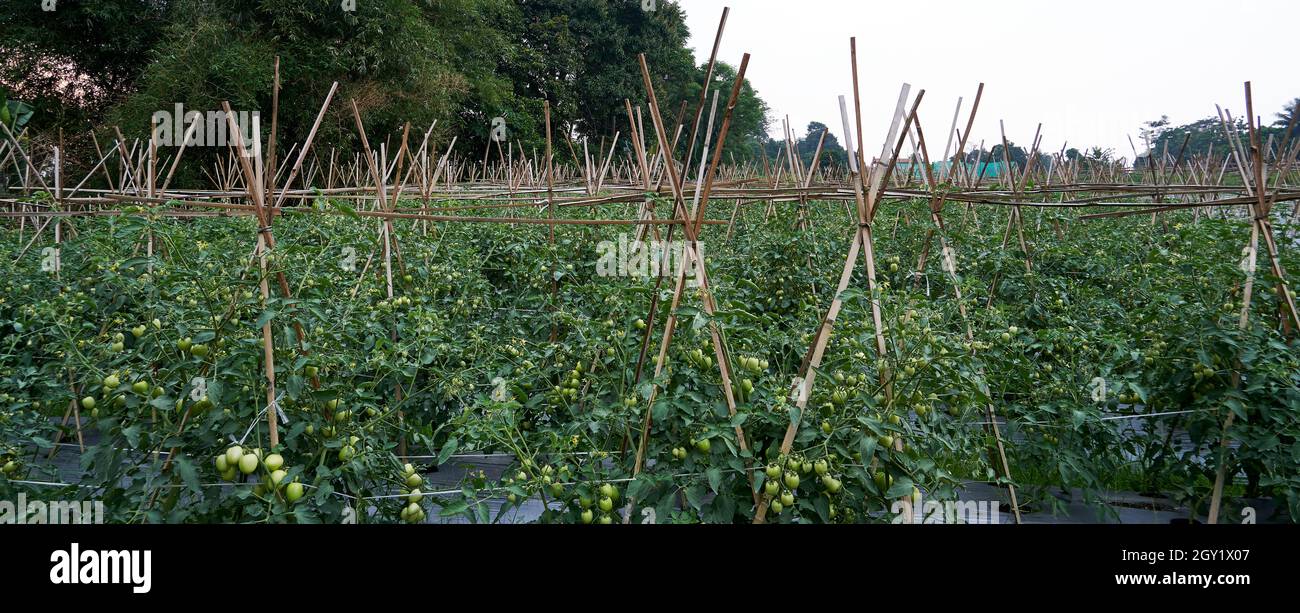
[239, 460]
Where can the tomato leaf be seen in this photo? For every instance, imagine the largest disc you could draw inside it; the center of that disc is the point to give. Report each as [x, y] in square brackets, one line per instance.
[132, 434]
[186, 470]
[447, 450]
[695, 496]
[454, 508]
[266, 316]
[714, 475]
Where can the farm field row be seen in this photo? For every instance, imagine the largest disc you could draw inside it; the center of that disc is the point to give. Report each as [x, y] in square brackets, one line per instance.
[498, 342]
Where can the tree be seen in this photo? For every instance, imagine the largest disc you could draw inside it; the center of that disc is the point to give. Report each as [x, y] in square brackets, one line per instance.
[1098, 155]
[1152, 130]
[73, 63]
[461, 63]
[581, 55]
[1016, 154]
[976, 154]
[749, 120]
[1287, 115]
[396, 59]
[833, 154]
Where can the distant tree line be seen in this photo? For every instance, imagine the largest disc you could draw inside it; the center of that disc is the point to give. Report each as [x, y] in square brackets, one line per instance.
[833, 154]
[1205, 135]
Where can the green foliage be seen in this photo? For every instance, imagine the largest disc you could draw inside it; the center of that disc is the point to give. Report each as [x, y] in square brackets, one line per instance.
[15, 115]
[1205, 135]
[458, 62]
[833, 154]
[1150, 311]
[81, 57]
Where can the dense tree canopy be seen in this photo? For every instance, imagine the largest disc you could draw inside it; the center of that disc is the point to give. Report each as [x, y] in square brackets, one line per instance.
[459, 62]
[73, 62]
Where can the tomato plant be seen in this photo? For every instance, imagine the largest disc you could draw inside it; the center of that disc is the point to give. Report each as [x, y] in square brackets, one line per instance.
[477, 353]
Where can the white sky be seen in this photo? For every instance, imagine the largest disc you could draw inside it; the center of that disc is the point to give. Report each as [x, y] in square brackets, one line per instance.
[1090, 71]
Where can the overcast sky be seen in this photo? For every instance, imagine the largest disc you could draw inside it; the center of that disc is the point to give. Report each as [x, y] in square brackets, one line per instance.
[1090, 71]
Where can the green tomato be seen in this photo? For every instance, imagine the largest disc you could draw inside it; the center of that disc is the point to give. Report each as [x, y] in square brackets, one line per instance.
[609, 491]
[248, 464]
[293, 492]
[233, 454]
[274, 462]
